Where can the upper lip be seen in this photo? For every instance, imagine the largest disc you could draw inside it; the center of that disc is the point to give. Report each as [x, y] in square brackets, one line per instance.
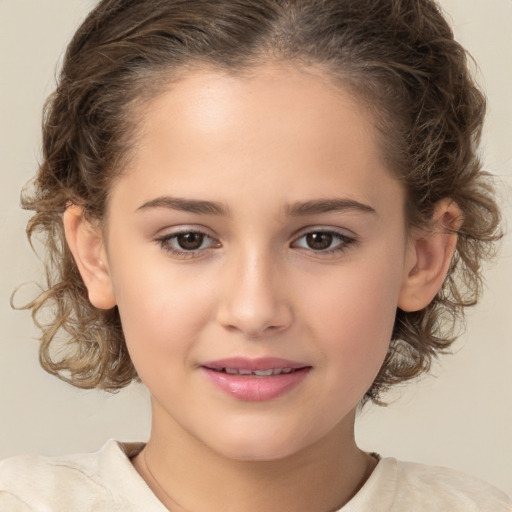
[262, 363]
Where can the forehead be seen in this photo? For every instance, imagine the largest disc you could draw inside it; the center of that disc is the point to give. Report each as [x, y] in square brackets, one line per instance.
[273, 126]
[206, 100]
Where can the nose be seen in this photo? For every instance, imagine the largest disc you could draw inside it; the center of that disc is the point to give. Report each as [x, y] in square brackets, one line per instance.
[253, 300]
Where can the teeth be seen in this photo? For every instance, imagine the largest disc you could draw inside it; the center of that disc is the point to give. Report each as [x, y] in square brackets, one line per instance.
[257, 373]
[264, 373]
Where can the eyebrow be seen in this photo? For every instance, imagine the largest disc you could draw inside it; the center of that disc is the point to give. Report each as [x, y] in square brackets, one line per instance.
[297, 209]
[186, 205]
[327, 205]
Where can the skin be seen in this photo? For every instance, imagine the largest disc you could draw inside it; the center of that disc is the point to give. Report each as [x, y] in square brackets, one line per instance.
[257, 146]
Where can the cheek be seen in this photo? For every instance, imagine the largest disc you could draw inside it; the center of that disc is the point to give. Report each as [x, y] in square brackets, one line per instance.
[155, 306]
[355, 317]
[359, 298]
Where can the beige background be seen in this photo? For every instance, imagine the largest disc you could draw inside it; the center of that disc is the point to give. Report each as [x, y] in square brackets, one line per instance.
[461, 418]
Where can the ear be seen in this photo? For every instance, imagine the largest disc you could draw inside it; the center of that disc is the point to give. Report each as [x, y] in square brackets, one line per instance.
[429, 257]
[86, 243]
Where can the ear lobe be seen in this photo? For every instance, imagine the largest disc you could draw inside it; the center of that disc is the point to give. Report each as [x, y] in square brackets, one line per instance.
[85, 242]
[429, 257]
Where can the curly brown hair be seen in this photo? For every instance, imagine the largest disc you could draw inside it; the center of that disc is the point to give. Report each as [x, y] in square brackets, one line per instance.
[399, 57]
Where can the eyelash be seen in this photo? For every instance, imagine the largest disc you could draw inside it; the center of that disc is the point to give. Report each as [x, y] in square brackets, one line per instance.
[166, 241]
[344, 241]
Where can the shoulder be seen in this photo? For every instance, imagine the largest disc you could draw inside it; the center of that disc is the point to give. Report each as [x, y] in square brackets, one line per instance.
[443, 489]
[29, 483]
[83, 482]
[397, 486]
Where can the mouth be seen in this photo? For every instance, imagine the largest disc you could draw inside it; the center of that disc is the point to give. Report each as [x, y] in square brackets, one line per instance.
[255, 380]
[256, 373]
[260, 367]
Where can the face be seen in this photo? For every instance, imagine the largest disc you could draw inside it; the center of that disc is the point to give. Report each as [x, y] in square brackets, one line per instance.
[256, 250]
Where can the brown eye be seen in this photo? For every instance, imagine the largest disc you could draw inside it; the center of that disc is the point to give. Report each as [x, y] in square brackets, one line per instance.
[190, 241]
[188, 244]
[319, 241]
[324, 242]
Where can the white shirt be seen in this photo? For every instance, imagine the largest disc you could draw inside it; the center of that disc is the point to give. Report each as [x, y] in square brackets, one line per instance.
[106, 481]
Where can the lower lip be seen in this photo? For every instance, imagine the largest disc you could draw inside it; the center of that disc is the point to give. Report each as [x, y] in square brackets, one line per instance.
[254, 388]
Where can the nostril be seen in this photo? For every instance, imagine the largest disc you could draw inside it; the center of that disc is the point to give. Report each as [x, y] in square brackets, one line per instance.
[254, 309]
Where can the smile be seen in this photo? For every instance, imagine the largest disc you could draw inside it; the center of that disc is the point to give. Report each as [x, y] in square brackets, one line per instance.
[255, 380]
[255, 373]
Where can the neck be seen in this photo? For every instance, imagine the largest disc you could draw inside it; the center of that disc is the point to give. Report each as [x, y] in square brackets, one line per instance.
[187, 476]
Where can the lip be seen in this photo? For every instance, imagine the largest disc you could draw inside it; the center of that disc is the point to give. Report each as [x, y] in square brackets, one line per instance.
[255, 388]
[245, 363]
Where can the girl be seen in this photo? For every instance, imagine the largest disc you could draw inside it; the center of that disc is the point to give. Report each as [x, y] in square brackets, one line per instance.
[268, 212]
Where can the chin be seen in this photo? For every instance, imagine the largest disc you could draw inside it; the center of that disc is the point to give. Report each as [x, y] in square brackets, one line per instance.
[258, 448]
[259, 453]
